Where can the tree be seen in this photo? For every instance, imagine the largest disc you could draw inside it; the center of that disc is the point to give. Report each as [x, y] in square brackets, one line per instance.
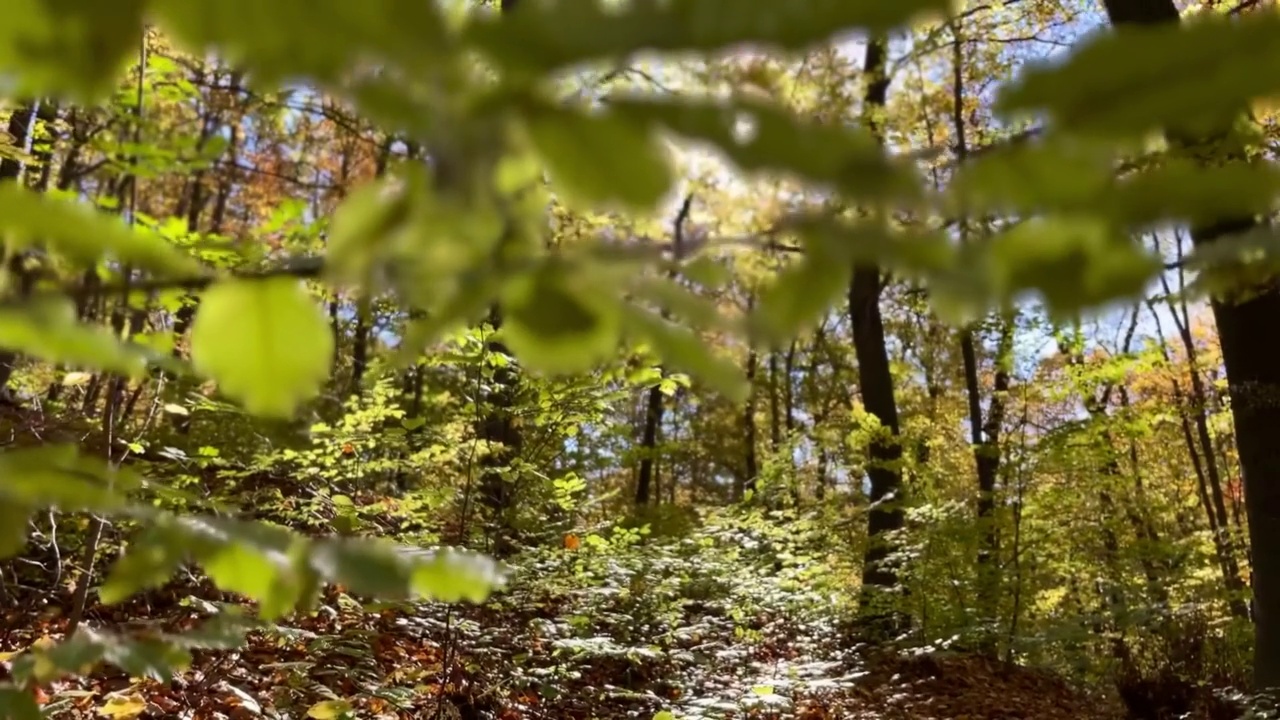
[1242, 317]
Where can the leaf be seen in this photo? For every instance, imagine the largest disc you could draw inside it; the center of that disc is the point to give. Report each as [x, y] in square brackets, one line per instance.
[329, 709]
[16, 704]
[664, 715]
[359, 230]
[451, 575]
[546, 36]
[71, 47]
[13, 528]
[152, 657]
[762, 137]
[560, 319]
[603, 158]
[265, 342]
[86, 235]
[148, 562]
[1183, 189]
[682, 349]
[381, 569]
[339, 36]
[1072, 262]
[1140, 78]
[123, 707]
[1056, 174]
[803, 291]
[57, 475]
[48, 329]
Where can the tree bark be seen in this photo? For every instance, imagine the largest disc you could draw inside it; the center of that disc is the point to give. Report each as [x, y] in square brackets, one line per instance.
[875, 379]
[1246, 332]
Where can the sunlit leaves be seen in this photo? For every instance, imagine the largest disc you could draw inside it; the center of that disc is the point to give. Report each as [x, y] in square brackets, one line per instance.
[1133, 80]
[1060, 174]
[151, 560]
[547, 36]
[85, 235]
[1066, 176]
[67, 47]
[601, 158]
[266, 342]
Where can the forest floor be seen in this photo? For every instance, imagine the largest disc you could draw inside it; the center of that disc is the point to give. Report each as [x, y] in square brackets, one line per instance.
[539, 651]
[487, 662]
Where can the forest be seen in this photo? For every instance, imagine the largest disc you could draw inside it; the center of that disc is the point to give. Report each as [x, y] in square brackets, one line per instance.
[672, 360]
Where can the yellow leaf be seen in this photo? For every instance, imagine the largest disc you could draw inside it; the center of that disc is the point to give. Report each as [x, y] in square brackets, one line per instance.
[123, 707]
[329, 709]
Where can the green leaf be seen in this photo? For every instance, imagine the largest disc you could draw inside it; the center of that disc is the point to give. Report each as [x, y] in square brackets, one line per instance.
[804, 290]
[71, 47]
[261, 575]
[265, 562]
[18, 704]
[84, 234]
[1055, 174]
[48, 329]
[763, 137]
[682, 349]
[1183, 189]
[148, 562]
[359, 231]
[1136, 79]
[603, 158]
[13, 528]
[1073, 262]
[664, 715]
[546, 36]
[451, 575]
[266, 342]
[373, 567]
[57, 475]
[561, 319]
[157, 657]
[340, 35]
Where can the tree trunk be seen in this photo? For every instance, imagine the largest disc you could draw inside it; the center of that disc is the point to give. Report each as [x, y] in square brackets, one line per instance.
[750, 464]
[646, 478]
[1245, 330]
[876, 382]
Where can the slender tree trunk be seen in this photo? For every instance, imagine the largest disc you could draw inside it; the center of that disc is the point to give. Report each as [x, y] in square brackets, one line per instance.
[646, 478]
[886, 514]
[750, 463]
[775, 405]
[649, 444]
